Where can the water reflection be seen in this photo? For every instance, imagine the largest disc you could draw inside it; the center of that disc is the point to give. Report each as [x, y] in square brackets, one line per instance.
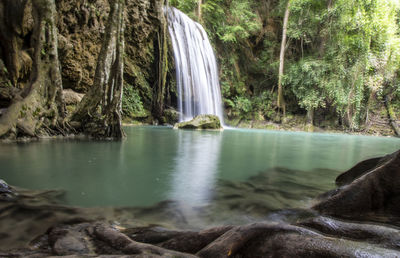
[196, 166]
[155, 164]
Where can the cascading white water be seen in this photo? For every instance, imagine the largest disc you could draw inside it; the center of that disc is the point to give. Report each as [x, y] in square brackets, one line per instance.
[196, 68]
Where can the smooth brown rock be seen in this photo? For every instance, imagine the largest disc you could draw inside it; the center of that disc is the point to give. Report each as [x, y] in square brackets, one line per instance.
[374, 196]
[71, 97]
[357, 171]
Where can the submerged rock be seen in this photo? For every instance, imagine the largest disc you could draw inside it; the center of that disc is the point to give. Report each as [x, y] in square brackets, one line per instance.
[201, 122]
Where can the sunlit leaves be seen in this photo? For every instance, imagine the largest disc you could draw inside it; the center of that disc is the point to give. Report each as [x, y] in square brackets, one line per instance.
[360, 43]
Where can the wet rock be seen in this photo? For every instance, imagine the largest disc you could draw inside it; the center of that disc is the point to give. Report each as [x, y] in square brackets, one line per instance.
[6, 192]
[69, 240]
[26, 127]
[357, 171]
[171, 116]
[312, 244]
[201, 122]
[383, 235]
[373, 196]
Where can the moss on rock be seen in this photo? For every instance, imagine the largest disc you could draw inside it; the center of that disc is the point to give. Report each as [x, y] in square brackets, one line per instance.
[200, 122]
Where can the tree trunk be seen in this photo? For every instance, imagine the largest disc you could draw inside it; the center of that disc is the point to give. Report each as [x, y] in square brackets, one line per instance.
[324, 39]
[281, 101]
[310, 116]
[40, 110]
[391, 115]
[159, 93]
[10, 28]
[99, 112]
[199, 14]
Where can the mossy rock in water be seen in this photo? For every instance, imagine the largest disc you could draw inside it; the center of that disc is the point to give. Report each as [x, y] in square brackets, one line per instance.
[201, 122]
[170, 116]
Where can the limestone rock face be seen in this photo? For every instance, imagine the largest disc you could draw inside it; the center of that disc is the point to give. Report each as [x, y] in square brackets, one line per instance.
[81, 28]
[201, 122]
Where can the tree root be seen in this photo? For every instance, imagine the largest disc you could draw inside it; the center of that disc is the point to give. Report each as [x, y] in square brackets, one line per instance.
[255, 240]
[121, 242]
[386, 236]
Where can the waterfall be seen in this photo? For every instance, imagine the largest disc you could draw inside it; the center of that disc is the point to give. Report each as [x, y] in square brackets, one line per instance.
[196, 68]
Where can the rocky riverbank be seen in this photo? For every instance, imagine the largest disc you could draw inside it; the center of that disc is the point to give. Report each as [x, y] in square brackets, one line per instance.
[378, 124]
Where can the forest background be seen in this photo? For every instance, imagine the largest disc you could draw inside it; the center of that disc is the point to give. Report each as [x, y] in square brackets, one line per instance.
[339, 62]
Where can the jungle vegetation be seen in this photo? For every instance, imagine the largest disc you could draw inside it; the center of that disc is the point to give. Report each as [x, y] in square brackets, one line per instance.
[333, 60]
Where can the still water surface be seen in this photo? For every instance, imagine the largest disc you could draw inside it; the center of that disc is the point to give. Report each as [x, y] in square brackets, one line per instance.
[157, 163]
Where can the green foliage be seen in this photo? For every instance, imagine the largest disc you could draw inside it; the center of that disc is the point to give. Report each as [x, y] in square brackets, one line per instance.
[242, 23]
[242, 106]
[348, 51]
[36, 113]
[186, 6]
[306, 80]
[263, 104]
[132, 105]
[305, 17]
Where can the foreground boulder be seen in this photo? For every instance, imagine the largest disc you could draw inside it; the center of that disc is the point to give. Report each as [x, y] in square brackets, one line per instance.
[373, 195]
[201, 122]
[362, 168]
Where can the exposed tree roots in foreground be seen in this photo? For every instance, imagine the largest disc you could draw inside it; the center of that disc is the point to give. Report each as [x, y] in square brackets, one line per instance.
[367, 202]
[318, 237]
